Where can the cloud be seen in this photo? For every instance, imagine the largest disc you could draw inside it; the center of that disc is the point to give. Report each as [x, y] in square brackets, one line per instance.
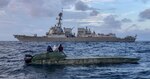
[2, 13]
[81, 6]
[68, 2]
[98, 0]
[4, 3]
[75, 15]
[105, 22]
[145, 14]
[94, 13]
[44, 8]
[144, 1]
[110, 22]
[126, 20]
[133, 26]
[141, 20]
[51, 7]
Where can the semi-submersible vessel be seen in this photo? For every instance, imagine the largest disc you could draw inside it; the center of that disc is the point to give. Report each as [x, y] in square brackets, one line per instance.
[59, 34]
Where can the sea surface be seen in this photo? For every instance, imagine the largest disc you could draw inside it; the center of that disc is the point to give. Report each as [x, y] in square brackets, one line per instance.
[12, 65]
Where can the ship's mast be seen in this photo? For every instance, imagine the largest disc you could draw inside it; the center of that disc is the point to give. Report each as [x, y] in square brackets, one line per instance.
[60, 19]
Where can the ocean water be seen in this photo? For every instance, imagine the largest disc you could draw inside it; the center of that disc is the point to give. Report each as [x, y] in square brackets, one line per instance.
[12, 65]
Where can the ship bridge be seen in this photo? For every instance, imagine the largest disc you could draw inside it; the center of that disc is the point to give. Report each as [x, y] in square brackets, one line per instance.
[57, 31]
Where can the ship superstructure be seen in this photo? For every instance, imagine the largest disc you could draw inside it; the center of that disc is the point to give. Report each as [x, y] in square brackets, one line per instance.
[58, 34]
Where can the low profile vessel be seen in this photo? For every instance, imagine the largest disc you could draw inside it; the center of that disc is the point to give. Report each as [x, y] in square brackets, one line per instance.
[58, 58]
[59, 34]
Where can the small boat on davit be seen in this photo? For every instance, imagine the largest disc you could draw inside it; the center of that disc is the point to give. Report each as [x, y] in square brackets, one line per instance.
[59, 58]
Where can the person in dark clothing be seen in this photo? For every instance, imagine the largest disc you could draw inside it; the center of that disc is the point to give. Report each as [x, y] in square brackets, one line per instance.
[60, 48]
[49, 49]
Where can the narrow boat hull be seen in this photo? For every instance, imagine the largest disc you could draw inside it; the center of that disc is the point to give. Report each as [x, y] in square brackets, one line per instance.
[87, 61]
[59, 58]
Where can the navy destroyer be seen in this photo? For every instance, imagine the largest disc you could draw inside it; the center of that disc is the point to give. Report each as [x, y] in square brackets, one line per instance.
[59, 34]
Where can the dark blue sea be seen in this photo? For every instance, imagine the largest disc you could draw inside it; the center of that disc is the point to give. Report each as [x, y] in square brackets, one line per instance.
[12, 65]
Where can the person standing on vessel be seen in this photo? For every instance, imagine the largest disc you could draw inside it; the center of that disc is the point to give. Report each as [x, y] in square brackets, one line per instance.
[49, 49]
[60, 48]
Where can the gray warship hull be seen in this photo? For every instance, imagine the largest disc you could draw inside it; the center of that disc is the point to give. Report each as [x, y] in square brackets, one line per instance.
[58, 34]
[25, 38]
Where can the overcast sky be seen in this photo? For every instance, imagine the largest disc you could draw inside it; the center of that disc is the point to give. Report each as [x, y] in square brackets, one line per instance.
[123, 17]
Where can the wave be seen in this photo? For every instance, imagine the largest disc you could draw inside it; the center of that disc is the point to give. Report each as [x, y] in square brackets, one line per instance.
[143, 51]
